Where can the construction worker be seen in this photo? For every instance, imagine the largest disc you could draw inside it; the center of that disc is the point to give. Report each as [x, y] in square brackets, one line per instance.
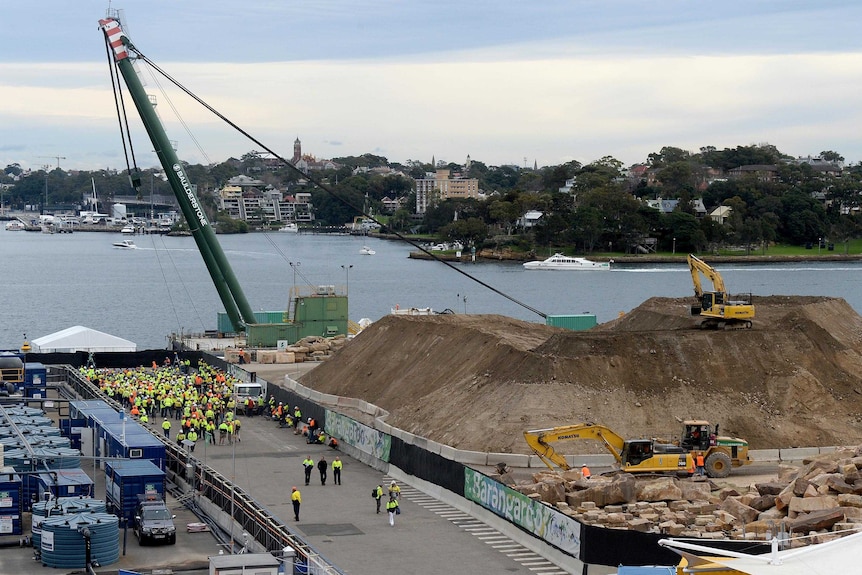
[297, 416]
[336, 470]
[296, 499]
[585, 471]
[144, 418]
[308, 464]
[377, 494]
[699, 463]
[166, 428]
[394, 490]
[222, 432]
[192, 436]
[392, 509]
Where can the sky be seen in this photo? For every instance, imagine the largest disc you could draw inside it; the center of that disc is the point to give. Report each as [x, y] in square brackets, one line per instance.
[504, 82]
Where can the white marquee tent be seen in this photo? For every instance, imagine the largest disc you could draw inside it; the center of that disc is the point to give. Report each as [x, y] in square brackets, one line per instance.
[80, 338]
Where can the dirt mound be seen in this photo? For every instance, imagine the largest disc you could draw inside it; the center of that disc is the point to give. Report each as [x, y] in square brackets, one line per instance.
[477, 382]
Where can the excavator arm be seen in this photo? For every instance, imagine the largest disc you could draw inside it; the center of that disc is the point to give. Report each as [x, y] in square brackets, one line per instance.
[540, 441]
[698, 267]
[633, 456]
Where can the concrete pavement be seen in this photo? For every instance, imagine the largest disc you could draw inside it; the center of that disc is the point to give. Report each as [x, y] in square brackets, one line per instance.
[340, 521]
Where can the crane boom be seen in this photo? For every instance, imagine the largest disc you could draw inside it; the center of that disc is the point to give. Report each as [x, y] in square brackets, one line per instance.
[226, 284]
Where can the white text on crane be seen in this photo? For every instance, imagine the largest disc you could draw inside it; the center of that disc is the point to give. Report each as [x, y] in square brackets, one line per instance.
[202, 219]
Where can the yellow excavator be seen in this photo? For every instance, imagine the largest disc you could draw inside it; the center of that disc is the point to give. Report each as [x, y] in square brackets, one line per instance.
[716, 307]
[632, 455]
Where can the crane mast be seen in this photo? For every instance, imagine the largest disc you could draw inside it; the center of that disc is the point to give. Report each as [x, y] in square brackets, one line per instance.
[226, 284]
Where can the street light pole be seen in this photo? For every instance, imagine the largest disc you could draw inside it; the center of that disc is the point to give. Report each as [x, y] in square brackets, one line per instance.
[293, 266]
[674, 246]
[346, 269]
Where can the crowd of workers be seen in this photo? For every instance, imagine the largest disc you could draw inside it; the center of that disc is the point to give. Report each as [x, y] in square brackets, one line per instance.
[201, 401]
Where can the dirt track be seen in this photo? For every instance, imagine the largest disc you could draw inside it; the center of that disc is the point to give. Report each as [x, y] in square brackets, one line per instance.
[478, 381]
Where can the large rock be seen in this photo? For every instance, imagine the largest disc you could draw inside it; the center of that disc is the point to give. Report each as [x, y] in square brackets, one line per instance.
[695, 490]
[621, 489]
[800, 486]
[815, 521]
[739, 510]
[763, 502]
[661, 489]
[836, 483]
[771, 488]
[809, 504]
[552, 492]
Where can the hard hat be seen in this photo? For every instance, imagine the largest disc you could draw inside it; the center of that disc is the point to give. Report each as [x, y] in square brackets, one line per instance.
[309, 420]
[583, 464]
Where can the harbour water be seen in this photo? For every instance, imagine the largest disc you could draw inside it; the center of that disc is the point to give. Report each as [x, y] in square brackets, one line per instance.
[52, 282]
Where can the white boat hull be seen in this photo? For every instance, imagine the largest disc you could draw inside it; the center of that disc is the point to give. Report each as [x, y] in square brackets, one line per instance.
[566, 263]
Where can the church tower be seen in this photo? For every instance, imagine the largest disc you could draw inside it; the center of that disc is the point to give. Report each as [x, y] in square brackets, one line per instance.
[297, 150]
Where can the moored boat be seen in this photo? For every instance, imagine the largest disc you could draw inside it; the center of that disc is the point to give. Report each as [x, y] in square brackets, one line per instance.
[128, 229]
[559, 261]
[14, 226]
[290, 228]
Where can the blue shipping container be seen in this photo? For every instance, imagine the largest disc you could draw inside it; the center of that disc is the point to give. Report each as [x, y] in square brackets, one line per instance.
[11, 502]
[125, 480]
[138, 443]
[63, 483]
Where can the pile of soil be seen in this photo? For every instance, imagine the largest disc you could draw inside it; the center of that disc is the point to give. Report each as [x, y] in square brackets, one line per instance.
[477, 382]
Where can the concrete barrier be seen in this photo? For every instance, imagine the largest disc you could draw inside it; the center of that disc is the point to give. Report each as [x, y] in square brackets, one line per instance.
[510, 459]
[434, 447]
[447, 452]
[799, 453]
[765, 454]
[471, 457]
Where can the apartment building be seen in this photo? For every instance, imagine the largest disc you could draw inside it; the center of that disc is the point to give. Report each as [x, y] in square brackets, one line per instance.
[439, 186]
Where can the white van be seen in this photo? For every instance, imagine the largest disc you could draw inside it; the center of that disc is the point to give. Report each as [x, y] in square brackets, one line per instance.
[244, 391]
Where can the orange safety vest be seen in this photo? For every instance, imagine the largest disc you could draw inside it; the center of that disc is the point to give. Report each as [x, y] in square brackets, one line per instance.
[699, 460]
[585, 471]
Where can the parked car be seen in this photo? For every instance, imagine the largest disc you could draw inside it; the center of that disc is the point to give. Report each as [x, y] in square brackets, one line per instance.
[153, 521]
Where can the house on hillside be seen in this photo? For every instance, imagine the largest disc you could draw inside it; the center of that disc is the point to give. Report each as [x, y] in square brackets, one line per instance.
[720, 214]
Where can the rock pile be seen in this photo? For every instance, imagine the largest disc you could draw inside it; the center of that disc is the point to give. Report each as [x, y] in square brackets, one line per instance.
[309, 348]
[822, 497]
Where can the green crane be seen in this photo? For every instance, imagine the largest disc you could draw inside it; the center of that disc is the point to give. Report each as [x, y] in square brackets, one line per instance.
[226, 284]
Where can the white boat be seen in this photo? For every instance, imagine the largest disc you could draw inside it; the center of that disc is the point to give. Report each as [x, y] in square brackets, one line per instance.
[125, 244]
[366, 251]
[14, 226]
[290, 228]
[560, 262]
[129, 229]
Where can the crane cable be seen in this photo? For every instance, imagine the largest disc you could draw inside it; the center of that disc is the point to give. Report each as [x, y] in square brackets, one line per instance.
[122, 118]
[325, 187]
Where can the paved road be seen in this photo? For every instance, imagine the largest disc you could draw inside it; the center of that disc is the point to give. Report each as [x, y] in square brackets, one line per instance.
[340, 521]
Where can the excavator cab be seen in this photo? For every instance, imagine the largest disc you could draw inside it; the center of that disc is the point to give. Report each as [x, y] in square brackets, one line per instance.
[636, 450]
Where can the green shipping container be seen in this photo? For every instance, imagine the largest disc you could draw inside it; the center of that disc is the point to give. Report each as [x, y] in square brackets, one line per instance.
[578, 322]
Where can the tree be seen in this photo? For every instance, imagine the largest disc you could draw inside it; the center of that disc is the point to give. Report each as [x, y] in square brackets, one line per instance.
[471, 231]
[831, 156]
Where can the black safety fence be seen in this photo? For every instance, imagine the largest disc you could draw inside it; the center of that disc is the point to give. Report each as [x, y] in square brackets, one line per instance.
[431, 467]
